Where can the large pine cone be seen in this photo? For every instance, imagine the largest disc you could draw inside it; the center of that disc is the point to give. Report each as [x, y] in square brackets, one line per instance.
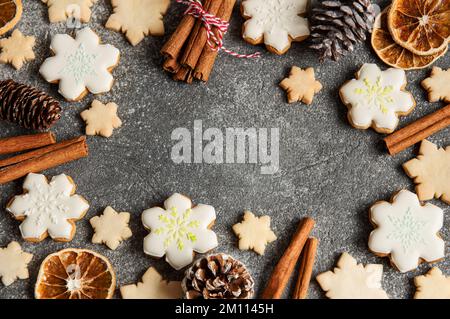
[218, 277]
[337, 26]
[27, 106]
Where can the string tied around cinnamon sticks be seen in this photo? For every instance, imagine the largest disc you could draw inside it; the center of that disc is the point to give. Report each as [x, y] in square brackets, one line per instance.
[214, 41]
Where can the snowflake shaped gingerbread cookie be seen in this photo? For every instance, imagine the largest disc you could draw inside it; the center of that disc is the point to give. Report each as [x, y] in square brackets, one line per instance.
[80, 65]
[350, 280]
[48, 209]
[301, 85]
[61, 10]
[377, 98]
[13, 263]
[138, 18]
[254, 233]
[17, 49]
[179, 230]
[153, 286]
[431, 172]
[111, 228]
[433, 285]
[437, 85]
[101, 119]
[276, 23]
[406, 231]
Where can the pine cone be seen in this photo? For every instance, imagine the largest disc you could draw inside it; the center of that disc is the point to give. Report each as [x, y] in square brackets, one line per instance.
[27, 106]
[337, 26]
[218, 277]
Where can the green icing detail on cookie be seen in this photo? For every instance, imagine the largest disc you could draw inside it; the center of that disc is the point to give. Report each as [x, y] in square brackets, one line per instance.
[177, 228]
[377, 94]
[407, 230]
[80, 64]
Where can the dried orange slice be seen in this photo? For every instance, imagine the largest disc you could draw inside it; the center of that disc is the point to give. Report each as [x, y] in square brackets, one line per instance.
[10, 13]
[75, 274]
[421, 26]
[393, 54]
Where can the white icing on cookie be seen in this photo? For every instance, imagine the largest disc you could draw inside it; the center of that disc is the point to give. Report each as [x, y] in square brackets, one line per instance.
[79, 64]
[407, 231]
[47, 207]
[377, 97]
[179, 230]
[278, 21]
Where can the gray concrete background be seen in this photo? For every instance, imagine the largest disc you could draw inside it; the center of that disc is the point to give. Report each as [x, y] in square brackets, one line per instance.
[328, 170]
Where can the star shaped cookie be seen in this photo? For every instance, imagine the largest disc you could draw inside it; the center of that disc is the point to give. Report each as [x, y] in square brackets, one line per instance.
[111, 228]
[17, 49]
[301, 85]
[138, 18]
[153, 286]
[350, 280]
[437, 85]
[101, 119]
[254, 233]
[13, 263]
[433, 285]
[431, 172]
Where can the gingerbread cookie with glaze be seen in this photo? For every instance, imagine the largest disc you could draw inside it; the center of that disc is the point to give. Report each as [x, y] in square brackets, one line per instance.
[179, 230]
[377, 98]
[406, 231]
[48, 208]
[275, 23]
[80, 65]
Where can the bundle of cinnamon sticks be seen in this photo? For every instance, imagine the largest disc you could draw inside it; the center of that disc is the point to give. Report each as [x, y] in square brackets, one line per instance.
[301, 247]
[45, 153]
[187, 54]
[418, 130]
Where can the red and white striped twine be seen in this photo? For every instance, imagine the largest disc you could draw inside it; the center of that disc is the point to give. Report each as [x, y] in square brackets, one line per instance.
[195, 8]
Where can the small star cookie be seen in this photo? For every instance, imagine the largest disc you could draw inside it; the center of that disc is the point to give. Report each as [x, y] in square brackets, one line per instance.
[17, 49]
[431, 172]
[437, 85]
[138, 18]
[60, 10]
[433, 285]
[152, 287]
[111, 228]
[301, 85]
[350, 280]
[13, 263]
[254, 233]
[101, 119]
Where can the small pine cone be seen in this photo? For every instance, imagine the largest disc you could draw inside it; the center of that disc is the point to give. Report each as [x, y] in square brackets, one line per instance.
[218, 277]
[337, 26]
[27, 106]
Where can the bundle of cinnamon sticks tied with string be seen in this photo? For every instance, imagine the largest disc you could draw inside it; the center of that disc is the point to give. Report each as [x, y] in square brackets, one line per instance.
[188, 53]
[39, 152]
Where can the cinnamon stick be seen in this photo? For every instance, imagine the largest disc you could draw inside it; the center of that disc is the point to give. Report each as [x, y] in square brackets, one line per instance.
[306, 267]
[208, 57]
[48, 160]
[418, 130]
[173, 46]
[38, 152]
[413, 139]
[285, 267]
[25, 142]
[171, 65]
[183, 74]
[197, 40]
